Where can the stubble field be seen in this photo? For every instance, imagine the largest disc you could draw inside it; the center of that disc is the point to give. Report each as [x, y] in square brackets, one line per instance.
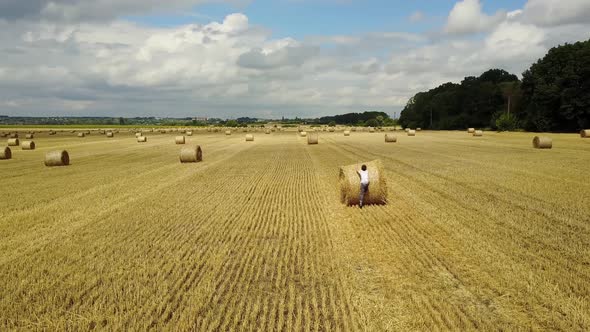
[479, 233]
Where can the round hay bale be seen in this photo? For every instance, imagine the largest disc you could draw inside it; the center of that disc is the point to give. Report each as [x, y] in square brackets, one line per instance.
[179, 140]
[267, 131]
[470, 130]
[418, 129]
[13, 135]
[249, 138]
[313, 139]
[13, 142]
[191, 154]
[411, 132]
[331, 129]
[28, 145]
[110, 134]
[29, 136]
[141, 139]
[51, 132]
[138, 134]
[347, 133]
[390, 138]
[81, 134]
[303, 133]
[478, 133]
[57, 158]
[407, 129]
[371, 130]
[189, 133]
[585, 133]
[542, 142]
[5, 153]
[350, 184]
[228, 132]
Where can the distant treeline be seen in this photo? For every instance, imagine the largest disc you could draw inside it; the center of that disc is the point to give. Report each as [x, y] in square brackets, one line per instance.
[554, 95]
[103, 121]
[368, 118]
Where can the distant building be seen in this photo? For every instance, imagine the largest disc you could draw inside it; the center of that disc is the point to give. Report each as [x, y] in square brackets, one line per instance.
[201, 119]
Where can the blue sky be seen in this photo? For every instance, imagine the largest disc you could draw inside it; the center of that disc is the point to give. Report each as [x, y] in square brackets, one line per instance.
[302, 18]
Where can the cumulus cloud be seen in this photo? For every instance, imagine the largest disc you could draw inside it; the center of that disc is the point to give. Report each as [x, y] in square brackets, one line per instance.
[84, 10]
[235, 67]
[468, 17]
[516, 40]
[282, 53]
[552, 13]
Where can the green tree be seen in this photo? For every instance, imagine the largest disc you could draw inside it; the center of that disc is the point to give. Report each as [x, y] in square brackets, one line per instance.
[556, 90]
[389, 122]
[506, 122]
[472, 103]
[332, 124]
[231, 123]
[372, 123]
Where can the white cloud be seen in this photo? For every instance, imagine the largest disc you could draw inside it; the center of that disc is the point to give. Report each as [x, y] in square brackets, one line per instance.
[516, 40]
[234, 67]
[91, 10]
[552, 12]
[282, 53]
[468, 17]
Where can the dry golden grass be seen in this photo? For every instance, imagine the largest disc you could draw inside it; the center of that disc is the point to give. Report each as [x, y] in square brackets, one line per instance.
[478, 234]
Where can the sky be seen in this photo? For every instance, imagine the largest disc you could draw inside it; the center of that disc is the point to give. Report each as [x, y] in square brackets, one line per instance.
[262, 58]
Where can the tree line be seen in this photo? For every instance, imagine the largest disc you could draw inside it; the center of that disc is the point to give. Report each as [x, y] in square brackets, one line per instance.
[367, 118]
[553, 95]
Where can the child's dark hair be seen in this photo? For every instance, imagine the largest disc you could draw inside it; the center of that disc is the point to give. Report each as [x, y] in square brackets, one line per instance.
[364, 167]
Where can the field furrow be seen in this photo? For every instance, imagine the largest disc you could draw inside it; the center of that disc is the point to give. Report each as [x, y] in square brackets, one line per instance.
[478, 234]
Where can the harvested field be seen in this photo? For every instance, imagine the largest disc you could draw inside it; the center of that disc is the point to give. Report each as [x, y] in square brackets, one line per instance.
[484, 233]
